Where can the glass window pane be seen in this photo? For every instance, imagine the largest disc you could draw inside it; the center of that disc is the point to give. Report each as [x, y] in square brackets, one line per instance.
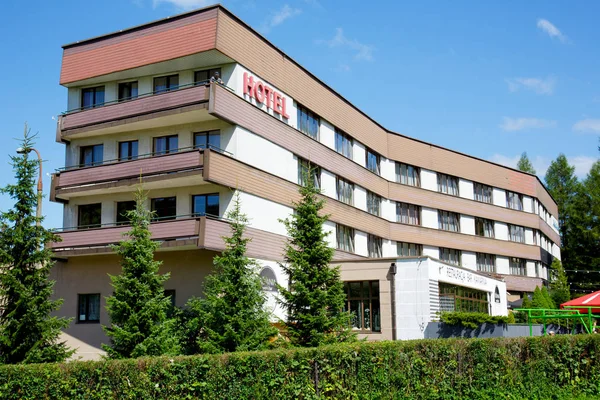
[214, 140]
[122, 209]
[164, 208]
[173, 82]
[199, 205]
[99, 98]
[173, 143]
[98, 154]
[356, 313]
[160, 145]
[87, 98]
[212, 204]
[134, 149]
[354, 289]
[200, 140]
[93, 307]
[160, 84]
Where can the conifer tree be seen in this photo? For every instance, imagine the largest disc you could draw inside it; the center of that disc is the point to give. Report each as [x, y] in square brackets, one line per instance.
[231, 316]
[525, 165]
[138, 308]
[559, 286]
[28, 333]
[315, 298]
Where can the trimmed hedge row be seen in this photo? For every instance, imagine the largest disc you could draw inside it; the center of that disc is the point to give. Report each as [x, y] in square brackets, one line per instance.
[548, 367]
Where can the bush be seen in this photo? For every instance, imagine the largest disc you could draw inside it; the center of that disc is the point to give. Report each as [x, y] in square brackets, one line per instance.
[549, 367]
[472, 320]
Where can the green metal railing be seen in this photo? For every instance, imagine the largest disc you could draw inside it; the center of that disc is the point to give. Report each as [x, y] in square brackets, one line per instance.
[568, 313]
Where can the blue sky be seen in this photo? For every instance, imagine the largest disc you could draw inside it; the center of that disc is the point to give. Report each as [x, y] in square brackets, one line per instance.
[491, 79]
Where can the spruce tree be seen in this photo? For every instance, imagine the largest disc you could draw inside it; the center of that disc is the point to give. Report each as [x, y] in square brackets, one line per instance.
[28, 332]
[525, 165]
[315, 298]
[138, 307]
[559, 287]
[231, 316]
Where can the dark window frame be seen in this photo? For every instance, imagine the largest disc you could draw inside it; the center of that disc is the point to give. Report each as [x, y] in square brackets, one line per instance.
[369, 156]
[93, 148]
[87, 296]
[156, 217]
[130, 151]
[121, 218]
[307, 121]
[80, 210]
[345, 142]
[303, 166]
[208, 135]
[129, 85]
[95, 90]
[168, 86]
[210, 72]
[371, 298]
[206, 196]
[168, 148]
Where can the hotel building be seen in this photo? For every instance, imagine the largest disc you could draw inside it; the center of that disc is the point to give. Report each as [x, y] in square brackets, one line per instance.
[417, 228]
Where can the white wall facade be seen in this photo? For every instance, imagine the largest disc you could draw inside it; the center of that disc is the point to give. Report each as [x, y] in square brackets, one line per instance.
[327, 134]
[360, 198]
[429, 179]
[501, 230]
[429, 218]
[328, 184]
[465, 189]
[499, 197]
[469, 260]
[360, 243]
[467, 224]
[388, 169]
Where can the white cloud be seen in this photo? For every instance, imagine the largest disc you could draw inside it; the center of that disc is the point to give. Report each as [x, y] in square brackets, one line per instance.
[519, 124]
[582, 164]
[363, 51]
[279, 17]
[184, 4]
[587, 126]
[551, 30]
[538, 85]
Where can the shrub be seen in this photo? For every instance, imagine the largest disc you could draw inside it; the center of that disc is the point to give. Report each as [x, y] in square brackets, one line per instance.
[472, 320]
[557, 367]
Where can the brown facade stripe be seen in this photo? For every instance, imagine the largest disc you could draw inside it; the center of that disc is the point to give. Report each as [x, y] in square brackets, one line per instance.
[139, 51]
[131, 108]
[130, 169]
[239, 42]
[236, 110]
[232, 173]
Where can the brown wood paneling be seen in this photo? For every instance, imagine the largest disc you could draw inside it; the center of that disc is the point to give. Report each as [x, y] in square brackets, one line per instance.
[521, 283]
[545, 198]
[181, 228]
[229, 106]
[144, 46]
[130, 169]
[135, 107]
[232, 173]
[250, 50]
[243, 45]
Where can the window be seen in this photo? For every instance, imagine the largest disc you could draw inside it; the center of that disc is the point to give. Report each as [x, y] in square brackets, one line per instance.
[373, 203]
[303, 170]
[462, 299]
[517, 266]
[409, 249]
[514, 200]
[128, 150]
[128, 90]
[484, 227]
[486, 262]
[408, 213]
[447, 184]
[208, 140]
[343, 144]
[92, 97]
[164, 208]
[448, 221]
[344, 238]
[123, 207]
[537, 269]
[483, 193]
[91, 155]
[205, 75]
[166, 83]
[373, 161]
[363, 304]
[375, 246]
[407, 174]
[166, 144]
[345, 191]
[205, 204]
[516, 233]
[451, 256]
[308, 122]
[89, 307]
[89, 216]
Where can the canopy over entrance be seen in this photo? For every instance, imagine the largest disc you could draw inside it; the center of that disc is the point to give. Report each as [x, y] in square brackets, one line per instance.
[588, 302]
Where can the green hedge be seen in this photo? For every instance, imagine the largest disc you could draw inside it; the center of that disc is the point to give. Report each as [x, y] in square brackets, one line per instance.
[548, 367]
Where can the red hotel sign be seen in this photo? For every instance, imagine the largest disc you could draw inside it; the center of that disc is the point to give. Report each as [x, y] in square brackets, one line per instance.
[264, 94]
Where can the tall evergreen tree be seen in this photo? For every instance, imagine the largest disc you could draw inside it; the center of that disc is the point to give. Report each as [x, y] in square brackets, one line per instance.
[28, 334]
[525, 165]
[559, 286]
[315, 298]
[138, 307]
[231, 316]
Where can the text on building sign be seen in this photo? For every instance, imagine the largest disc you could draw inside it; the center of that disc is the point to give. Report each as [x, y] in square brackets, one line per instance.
[266, 95]
[465, 276]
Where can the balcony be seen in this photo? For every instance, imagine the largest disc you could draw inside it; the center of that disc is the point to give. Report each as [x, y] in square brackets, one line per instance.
[187, 104]
[182, 167]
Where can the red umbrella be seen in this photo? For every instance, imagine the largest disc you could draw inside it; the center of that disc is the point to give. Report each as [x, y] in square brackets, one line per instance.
[589, 300]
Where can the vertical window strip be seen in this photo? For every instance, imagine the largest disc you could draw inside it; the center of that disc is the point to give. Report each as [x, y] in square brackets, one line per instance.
[448, 221]
[407, 174]
[451, 256]
[408, 213]
[345, 238]
[409, 249]
[375, 246]
[345, 191]
[486, 262]
[447, 184]
[373, 203]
